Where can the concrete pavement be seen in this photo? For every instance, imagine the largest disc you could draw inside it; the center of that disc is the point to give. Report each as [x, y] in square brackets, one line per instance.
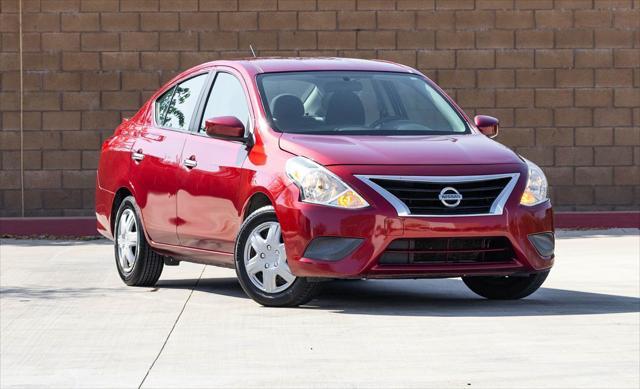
[66, 320]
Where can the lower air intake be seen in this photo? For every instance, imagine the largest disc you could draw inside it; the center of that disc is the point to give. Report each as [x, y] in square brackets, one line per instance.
[448, 251]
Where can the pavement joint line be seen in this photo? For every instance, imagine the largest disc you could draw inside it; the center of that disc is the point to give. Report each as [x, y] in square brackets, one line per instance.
[172, 327]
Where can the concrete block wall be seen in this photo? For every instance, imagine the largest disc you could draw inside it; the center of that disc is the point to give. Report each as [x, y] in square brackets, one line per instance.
[563, 77]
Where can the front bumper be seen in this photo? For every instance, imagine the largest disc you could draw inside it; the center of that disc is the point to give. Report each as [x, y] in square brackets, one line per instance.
[380, 224]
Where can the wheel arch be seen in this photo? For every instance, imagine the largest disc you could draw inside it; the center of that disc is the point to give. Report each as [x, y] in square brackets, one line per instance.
[118, 197]
[122, 193]
[256, 201]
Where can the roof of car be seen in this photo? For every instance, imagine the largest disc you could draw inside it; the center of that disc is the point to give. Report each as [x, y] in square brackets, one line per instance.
[271, 65]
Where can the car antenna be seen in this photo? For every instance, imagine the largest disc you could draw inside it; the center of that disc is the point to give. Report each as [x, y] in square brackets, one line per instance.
[252, 52]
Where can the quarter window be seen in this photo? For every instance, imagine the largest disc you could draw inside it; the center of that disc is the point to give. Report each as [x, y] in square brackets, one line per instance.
[162, 103]
[227, 98]
[178, 111]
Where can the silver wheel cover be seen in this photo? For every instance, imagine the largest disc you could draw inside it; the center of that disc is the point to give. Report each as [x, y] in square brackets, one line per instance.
[127, 240]
[265, 259]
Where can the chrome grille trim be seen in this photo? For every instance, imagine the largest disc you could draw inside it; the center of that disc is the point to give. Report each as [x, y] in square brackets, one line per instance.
[497, 208]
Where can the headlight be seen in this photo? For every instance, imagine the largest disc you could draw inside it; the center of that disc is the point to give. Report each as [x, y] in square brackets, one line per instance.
[319, 186]
[536, 190]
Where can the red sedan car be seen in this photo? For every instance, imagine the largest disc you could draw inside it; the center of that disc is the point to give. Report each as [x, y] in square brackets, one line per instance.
[295, 171]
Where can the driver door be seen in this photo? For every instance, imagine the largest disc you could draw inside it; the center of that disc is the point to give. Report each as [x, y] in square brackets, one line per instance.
[208, 210]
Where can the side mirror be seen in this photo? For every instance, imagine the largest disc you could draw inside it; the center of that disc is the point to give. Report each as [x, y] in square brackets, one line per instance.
[224, 126]
[488, 125]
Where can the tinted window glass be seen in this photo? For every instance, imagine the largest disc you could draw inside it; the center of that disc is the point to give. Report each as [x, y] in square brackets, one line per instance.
[366, 103]
[162, 103]
[179, 111]
[227, 98]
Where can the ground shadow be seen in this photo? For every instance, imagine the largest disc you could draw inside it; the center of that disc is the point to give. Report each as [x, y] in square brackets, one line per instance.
[35, 293]
[226, 286]
[440, 297]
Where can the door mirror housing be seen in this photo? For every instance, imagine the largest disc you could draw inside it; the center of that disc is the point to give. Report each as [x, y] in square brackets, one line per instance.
[488, 125]
[224, 126]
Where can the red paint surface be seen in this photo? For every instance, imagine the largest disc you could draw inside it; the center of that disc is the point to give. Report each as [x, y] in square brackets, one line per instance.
[399, 150]
[228, 126]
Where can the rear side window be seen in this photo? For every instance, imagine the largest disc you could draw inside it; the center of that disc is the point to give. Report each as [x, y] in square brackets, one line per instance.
[175, 108]
[227, 98]
[162, 103]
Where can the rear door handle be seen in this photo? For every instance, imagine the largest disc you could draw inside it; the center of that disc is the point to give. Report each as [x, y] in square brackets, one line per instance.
[137, 156]
[190, 163]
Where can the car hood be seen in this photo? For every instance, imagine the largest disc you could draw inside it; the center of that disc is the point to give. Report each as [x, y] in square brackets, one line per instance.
[468, 149]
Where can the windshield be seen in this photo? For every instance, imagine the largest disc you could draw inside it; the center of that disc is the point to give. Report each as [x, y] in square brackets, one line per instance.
[360, 103]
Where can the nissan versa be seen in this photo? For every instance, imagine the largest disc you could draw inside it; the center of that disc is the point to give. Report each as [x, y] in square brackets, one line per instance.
[295, 171]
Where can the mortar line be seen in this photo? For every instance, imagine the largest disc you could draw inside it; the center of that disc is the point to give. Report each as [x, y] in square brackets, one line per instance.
[172, 327]
[21, 109]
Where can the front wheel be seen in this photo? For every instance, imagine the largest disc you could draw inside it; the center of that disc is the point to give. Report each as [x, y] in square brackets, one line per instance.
[261, 263]
[506, 288]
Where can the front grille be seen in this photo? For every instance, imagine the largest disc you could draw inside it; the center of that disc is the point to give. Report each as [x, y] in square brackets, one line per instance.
[448, 251]
[421, 196]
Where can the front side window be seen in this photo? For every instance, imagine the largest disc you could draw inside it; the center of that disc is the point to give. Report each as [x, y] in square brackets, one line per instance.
[177, 111]
[227, 98]
[353, 103]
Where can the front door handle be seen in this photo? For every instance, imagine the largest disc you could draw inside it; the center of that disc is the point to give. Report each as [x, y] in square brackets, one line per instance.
[190, 162]
[137, 155]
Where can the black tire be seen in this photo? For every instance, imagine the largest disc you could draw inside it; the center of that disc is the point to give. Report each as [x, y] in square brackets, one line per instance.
[506, 288]
[299, 292]
[148, 264]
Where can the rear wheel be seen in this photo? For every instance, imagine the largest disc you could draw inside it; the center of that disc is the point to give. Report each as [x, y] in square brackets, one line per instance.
[137, 263]
[506, 288]
[261, 263]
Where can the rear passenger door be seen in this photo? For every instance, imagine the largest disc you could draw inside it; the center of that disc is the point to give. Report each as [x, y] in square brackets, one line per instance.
[208, 207]
[156, 157]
